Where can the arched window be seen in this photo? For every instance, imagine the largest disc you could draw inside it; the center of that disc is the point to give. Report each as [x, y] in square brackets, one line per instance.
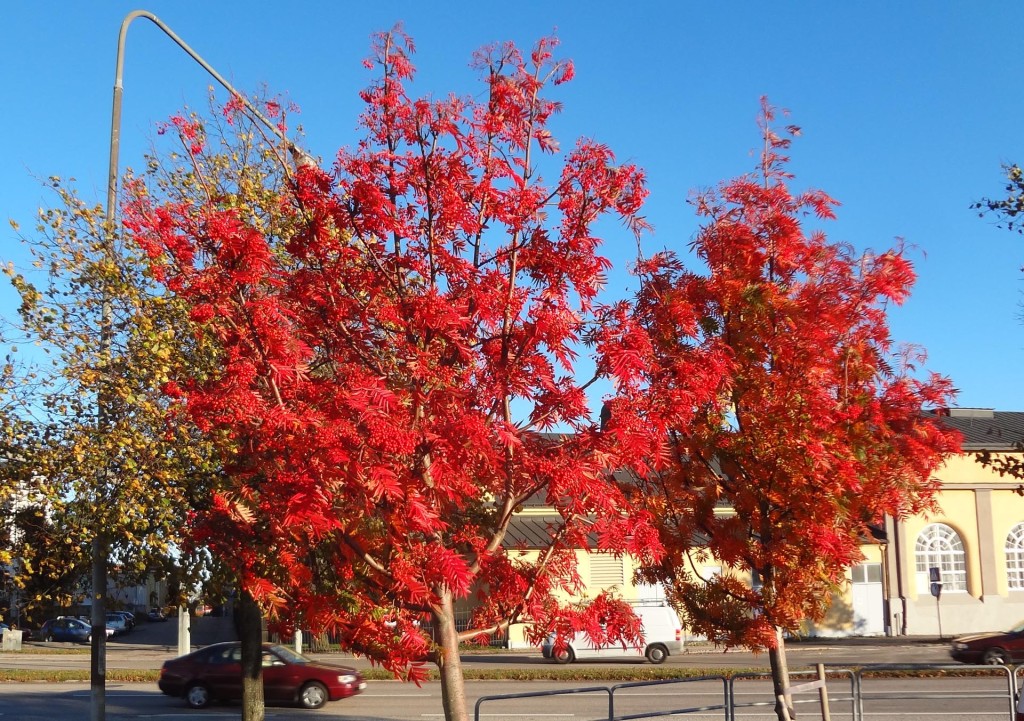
[1015, 557]
[939, 546]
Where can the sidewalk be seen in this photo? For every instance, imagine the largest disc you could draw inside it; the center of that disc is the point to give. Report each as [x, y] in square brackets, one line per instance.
[148, 650]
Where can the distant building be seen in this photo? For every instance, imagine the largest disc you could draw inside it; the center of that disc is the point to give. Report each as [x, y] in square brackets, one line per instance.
[976, 543]
[15, 496]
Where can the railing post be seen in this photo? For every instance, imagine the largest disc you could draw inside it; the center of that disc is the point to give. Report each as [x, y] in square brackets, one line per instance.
[823, 694]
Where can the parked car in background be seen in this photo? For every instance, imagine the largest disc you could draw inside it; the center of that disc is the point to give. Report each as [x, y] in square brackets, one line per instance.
[215, 673]
[156, 614]
[995, 648]
[129, 617]
[68, 628]
[117, 622]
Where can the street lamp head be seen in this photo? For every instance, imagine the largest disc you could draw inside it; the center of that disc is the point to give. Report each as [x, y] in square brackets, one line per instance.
[300, 157]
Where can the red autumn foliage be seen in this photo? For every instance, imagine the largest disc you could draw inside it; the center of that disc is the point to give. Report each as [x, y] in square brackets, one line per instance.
[815, 429]
[393, 350]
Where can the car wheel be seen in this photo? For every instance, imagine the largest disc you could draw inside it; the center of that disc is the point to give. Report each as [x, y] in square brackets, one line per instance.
[49, 638]
[566, 655]
[995, 657]
[313, 695]
[657, 653]
[88, 639]
[197, 696]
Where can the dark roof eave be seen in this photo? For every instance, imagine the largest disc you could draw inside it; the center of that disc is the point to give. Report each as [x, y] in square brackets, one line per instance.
[998, 447]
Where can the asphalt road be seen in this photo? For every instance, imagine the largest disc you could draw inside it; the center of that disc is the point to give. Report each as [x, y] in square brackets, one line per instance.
[966, 700]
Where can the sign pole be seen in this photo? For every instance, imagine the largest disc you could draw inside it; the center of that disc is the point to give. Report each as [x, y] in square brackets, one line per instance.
[935, 574]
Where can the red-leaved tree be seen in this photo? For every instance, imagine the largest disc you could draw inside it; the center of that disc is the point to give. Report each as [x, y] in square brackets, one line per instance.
[397, 336]
[816, 428]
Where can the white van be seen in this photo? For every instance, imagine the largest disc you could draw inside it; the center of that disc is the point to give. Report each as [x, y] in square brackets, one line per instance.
[663, 636]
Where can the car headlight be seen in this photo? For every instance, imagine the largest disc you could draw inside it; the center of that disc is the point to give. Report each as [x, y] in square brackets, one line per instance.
[959, 646]
[347, 678]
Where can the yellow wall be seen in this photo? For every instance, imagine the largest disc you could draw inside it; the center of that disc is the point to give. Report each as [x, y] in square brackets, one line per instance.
[958, 511]
[961, 477]
[975, 502]
[1007, 512]
[963, 469]
[981, 507]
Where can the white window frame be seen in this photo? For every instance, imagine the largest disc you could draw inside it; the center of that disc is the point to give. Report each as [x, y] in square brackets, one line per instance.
[862, 573]
[938, 545]
[1015, 558]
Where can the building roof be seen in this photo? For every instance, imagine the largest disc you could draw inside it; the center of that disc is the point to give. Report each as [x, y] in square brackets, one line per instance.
[532, 532]
[984, 428]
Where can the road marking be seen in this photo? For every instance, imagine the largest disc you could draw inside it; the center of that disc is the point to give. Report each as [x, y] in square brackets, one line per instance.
[216, 714]
[88, 694]
[191, 715]
[395, 695]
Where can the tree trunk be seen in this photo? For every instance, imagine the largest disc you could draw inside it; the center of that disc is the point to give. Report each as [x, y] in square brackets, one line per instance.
[780, 678]
[453, 688]
[249, 623]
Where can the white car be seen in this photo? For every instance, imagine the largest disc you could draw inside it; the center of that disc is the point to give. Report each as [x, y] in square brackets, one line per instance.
[118, 623]
[662, 637]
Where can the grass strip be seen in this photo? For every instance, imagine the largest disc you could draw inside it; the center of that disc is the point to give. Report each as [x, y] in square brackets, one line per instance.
[70, 675]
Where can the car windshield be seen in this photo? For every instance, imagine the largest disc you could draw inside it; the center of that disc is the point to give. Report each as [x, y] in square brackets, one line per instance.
[288, 655]
[1018, 628]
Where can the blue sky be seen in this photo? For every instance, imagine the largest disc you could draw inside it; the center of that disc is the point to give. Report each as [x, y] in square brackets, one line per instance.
[907, 109]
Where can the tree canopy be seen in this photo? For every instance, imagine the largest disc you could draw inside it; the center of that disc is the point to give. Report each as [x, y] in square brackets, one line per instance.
[814, 430]
[398, 338]
[98, 328]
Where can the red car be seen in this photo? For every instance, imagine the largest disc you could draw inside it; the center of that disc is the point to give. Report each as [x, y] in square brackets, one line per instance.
[215, 673]
[998, 648]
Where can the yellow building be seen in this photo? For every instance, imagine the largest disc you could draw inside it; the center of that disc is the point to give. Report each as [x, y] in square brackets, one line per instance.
[974, 543]
[599, 571]
[975, 540]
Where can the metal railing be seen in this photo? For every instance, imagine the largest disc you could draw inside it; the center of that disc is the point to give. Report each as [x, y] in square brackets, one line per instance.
[611, 692]
[537, 694]
[796, 691]
[859, 682]
[888, 669]
[724, 707]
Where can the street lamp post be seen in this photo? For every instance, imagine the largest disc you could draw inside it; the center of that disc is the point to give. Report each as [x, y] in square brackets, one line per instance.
[100, 544]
